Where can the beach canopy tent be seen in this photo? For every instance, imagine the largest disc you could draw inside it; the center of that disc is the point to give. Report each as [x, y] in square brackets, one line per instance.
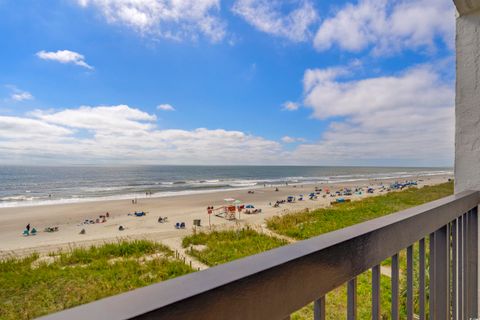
[249, 206]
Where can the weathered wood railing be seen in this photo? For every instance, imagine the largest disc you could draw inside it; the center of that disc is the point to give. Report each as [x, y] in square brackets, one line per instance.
[274, 284]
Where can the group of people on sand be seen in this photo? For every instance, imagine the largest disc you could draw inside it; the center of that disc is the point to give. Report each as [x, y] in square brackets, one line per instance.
[101, 219]
[29, 230]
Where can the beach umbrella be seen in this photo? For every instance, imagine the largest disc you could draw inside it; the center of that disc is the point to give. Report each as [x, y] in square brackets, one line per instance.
[249, 206]
[228, 199]
[237, 202]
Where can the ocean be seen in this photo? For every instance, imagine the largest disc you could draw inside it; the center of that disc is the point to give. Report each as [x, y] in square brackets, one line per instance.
[37, 185]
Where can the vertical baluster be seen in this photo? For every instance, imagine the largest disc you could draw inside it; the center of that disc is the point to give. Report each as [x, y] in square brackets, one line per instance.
[421, 282]
[431, 273]
[395, 287]
[460, 272]
[352, 299]
[465, 266]
[376, 292]
[473, 263]
[454, 271]
[410, 283]
[441, 295]
[319, 309]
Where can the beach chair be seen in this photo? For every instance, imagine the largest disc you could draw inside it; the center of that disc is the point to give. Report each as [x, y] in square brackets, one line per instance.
[177, 225]
[182, 225]
[26, 233]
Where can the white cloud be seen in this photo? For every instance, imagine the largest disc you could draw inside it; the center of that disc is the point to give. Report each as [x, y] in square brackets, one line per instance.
[178, 19]
[291, 106]
[111, 119]
[288, 139]
[388, 26]
[123, 134]
[165, 107]
[267, 16]
[65, 56]
[23, 128]
[407, 116]
[19, 95]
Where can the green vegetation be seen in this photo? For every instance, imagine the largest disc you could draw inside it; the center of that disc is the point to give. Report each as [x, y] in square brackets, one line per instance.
[34, 286]
[304, 225]
[223, 246]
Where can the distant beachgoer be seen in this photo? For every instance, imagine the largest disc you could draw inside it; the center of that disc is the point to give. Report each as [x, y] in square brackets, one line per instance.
[28, 227]
[133, 201]
[107, 215]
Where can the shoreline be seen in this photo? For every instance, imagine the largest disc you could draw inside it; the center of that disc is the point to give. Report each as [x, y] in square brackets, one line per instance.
[249, 186]
[178, 208]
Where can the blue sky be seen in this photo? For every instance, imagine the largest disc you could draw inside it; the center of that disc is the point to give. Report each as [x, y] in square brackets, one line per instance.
[368, 82]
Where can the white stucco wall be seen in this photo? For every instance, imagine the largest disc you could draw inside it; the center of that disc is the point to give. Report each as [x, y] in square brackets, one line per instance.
[467, 111]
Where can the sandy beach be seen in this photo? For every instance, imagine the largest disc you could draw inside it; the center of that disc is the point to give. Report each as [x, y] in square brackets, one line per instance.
[182, 208]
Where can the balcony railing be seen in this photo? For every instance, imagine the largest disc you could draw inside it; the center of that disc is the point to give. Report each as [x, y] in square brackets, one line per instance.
[274, 284]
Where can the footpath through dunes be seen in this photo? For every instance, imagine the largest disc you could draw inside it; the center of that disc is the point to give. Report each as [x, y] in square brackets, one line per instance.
[69, 217]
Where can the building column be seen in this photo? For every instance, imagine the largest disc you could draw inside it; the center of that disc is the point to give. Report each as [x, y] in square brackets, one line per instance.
[467, 101]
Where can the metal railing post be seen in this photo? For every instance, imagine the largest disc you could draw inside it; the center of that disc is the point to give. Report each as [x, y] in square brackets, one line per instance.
[472, 276]
[319, 309]
[441, 281]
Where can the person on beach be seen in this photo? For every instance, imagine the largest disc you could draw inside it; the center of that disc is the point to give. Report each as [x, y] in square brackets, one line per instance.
[28, 227]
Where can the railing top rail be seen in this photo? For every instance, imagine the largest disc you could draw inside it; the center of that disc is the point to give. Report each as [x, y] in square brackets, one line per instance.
[275, 283]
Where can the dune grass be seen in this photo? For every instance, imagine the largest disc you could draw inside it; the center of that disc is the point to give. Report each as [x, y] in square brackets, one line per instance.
[30, 288]
[304, 225]
[224, 246]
